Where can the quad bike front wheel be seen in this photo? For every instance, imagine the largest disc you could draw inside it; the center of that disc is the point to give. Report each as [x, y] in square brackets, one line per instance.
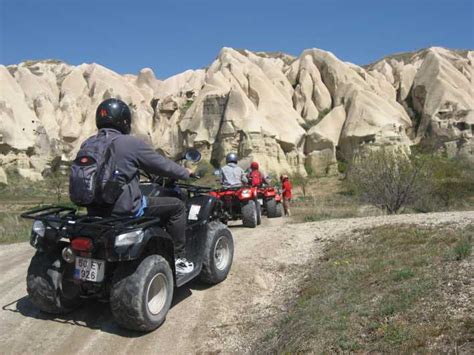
[218, 253]
[46, 288]
[141, 293]
[250, 214]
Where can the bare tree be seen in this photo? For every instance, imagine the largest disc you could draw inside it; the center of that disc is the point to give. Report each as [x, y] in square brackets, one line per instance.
[389, 179]
[299, 180]
[55, 178]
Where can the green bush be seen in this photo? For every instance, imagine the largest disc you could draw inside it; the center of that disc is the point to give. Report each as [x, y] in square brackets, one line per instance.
[204, 168]
[462, 249]
[342, 166]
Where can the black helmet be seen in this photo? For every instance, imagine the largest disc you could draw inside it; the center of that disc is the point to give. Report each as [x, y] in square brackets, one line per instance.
[114, 113]
[231, 158]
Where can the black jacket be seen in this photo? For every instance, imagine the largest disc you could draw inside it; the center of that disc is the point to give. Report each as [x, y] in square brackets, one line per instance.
[130, 154]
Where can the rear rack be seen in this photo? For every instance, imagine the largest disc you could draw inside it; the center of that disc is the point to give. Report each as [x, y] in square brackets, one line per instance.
[38, 213]
[231, 188]
[58, 217]
[194, 188]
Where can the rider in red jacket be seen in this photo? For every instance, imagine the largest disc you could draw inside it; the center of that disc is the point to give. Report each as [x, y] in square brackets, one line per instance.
[255, 177]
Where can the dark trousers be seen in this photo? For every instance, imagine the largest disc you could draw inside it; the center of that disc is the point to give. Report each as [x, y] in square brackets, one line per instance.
[173, 212]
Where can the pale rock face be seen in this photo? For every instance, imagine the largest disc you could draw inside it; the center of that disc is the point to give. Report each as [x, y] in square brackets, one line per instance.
[146, 77]
[146, 83]
[440, 87]
[30, 174]
[322, 162]
[384, 69]
[436, 89]
[368, 115]
[3, 177]
[273, 68]
[322, 140]
[406, 78]
[327, 132]
[16, 160]
[104, 84]
[188, 83]
[311, 95]
[368, 98]
[17, 129]
[333, 71]
[239, 109]
[287, 113]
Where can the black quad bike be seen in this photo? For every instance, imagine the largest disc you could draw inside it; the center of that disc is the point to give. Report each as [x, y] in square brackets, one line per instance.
[127, 260]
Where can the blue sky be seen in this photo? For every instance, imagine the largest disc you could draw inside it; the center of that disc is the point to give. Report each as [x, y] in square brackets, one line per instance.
[172, 36]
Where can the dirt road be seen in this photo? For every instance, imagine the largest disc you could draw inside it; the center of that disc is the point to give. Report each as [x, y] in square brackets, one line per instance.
[268, 263]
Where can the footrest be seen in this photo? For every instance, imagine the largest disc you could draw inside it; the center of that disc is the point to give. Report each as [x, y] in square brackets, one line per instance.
[181, 279]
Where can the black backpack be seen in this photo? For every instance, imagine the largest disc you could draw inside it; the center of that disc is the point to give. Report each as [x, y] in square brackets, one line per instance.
[93, 180]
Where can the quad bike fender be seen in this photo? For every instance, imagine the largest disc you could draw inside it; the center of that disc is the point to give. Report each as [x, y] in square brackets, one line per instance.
[203, 208]
[270, 193]
[155, 238]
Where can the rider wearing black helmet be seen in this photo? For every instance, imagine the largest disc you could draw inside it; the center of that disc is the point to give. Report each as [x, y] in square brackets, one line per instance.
[232, 175]
[114, 113]
[113, 119]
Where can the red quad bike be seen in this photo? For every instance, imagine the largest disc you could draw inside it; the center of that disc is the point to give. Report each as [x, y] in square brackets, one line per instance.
[240, 203]
[269, 200]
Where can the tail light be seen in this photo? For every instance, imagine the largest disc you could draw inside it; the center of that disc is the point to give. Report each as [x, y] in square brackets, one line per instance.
[81, 244]
[246, 193]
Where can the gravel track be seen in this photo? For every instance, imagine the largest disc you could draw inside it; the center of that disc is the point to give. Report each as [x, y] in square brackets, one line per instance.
[268, 264]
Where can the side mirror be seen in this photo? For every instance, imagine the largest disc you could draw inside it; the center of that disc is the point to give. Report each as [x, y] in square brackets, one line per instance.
[192, 155]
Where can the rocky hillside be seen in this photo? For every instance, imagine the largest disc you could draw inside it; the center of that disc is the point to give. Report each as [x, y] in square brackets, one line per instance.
[291, 114]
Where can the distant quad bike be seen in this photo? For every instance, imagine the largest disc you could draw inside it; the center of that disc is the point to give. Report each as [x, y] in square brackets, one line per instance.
[127, 260]
[240, 203]
[270, 201]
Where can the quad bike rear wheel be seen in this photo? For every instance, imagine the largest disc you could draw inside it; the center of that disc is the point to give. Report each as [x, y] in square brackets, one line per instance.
[249, 214]
[272, 208]
[279, 210]
[141, 293]
[259, 212]
[46, 288]
[218, 253]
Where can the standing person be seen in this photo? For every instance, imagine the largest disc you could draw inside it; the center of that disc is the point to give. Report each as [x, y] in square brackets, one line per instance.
[127, 155]
[232, 175]
[286, 192]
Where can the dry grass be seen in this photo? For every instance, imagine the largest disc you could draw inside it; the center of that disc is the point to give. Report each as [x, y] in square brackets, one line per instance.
[404, 290]
[19, 196]
[327, 198]
[13, 229]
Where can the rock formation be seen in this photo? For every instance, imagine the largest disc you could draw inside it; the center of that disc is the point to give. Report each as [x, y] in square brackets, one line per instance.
[291, 114]
[435, 87]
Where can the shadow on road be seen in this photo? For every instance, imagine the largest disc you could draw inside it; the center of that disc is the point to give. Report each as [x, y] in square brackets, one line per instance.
[91, 314]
